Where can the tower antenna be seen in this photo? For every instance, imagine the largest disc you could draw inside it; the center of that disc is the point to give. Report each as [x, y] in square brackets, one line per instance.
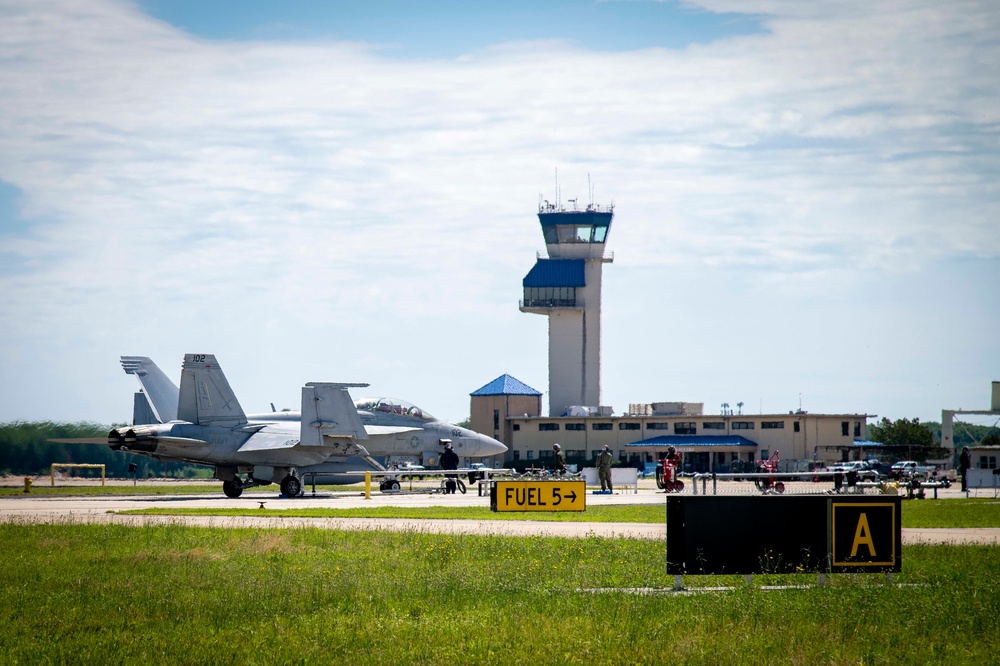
[558, 198]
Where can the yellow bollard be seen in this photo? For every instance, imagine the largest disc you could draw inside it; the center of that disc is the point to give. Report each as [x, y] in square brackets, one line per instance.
[27, 484]
[368, 485]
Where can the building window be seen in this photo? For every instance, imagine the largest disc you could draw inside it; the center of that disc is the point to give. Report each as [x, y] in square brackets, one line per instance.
[765, 454]
[857, 428]
[743, 425]
[601, 426]
[685, 428]
[772, 425]
[550, 297]
[576, 426]
[546, 453]
[496, 419]
[987, 462]
[795, 426]
[517, 454]
[517, 426]
[657, 426]
[581, 453]
[713, 425]
[845, 427]
[531, 455]
[628, 426]
[548, 426]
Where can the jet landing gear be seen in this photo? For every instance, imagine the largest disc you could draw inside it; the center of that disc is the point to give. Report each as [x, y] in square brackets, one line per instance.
[291, 486]
[235, 486]
[389, 485]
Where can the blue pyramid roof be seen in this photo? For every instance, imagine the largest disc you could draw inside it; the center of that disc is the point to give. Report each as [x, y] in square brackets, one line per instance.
[506, 385]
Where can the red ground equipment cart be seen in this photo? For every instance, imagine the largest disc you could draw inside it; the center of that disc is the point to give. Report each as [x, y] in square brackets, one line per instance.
[769, 484]
[666, 474]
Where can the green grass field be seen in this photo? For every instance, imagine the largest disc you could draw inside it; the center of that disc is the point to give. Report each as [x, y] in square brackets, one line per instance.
[922, 513]
[114, 594]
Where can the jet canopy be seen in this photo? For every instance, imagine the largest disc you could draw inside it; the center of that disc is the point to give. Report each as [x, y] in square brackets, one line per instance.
[392, 406]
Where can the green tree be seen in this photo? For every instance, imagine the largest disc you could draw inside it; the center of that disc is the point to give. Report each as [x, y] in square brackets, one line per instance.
[902, 432]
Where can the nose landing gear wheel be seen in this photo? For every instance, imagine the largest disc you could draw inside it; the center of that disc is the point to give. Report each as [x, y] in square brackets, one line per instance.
[291, 486]
[233, 489]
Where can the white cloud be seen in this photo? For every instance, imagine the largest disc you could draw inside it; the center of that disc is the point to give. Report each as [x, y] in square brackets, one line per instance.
[241, 191]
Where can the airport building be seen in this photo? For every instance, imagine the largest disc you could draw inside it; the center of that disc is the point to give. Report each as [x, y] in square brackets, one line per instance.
[566, 288]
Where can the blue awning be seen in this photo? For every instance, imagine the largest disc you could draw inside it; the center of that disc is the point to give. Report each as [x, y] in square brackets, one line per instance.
[555, 273]
[694, 440]
[867, 443]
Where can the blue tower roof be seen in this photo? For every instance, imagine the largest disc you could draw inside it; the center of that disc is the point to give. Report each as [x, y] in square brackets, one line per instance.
[556, 273]
[506, 385]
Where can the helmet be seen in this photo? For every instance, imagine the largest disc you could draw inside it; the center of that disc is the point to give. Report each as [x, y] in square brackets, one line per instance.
[556, 447]
[606, 447]
[447, 446]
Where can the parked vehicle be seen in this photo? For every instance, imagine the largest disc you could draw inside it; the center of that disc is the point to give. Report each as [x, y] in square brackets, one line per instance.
[906, 468]
[408, 468]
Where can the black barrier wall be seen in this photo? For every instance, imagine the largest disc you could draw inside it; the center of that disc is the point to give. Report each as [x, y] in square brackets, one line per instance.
[780, 534]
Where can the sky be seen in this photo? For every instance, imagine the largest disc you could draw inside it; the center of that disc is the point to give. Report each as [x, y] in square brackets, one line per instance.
[807, 201]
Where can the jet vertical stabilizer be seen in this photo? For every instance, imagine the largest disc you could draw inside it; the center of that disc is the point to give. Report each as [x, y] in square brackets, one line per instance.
[205, 396]
[160, 392]
[328, 411]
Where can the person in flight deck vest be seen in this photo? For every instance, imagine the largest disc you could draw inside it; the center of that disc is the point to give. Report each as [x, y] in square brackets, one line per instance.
[449, 460]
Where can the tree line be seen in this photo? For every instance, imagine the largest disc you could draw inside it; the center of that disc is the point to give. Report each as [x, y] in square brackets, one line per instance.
[923, 440]
[25, 450]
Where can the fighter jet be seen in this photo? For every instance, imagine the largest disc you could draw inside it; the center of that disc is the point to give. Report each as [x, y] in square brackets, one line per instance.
[203, 423]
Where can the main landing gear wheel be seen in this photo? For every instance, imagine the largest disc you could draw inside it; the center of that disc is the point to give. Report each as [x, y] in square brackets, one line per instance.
[291, 486]
[233, 489]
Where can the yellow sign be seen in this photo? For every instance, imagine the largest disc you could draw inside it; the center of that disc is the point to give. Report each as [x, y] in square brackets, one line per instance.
[864, 534]
[539, 496]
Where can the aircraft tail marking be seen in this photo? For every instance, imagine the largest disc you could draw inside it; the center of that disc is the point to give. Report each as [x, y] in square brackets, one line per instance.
[328, 411]
[205, 397]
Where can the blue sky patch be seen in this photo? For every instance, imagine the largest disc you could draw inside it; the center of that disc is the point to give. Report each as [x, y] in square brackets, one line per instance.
[450, 28]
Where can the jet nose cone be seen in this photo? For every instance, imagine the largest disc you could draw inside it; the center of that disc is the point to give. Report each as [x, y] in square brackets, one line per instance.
[490, 447]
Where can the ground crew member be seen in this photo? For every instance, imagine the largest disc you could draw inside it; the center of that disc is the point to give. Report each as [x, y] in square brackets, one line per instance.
[604, 469]
[560, 466]
[449, 460]
[964, 463]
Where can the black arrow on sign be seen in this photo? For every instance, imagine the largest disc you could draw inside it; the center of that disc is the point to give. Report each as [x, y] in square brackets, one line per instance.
[571, 496]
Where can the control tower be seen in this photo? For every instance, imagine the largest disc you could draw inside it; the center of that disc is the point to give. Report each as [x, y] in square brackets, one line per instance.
[567, 288]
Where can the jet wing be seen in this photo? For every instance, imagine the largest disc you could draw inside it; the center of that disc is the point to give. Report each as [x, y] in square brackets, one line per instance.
[281, 442]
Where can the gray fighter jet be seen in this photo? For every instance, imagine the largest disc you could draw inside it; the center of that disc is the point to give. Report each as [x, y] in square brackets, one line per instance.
[203, 423]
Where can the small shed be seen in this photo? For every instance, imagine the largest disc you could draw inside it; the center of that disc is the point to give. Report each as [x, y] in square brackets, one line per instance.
[985, 472]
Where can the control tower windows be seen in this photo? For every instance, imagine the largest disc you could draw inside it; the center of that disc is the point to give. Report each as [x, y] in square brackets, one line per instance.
[550, 297]
[575, 233]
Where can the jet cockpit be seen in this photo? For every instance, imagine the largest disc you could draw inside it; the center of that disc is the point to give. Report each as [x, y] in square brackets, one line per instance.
[392, 406]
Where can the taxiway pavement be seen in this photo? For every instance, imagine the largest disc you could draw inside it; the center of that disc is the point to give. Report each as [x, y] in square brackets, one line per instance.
[105, 509]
